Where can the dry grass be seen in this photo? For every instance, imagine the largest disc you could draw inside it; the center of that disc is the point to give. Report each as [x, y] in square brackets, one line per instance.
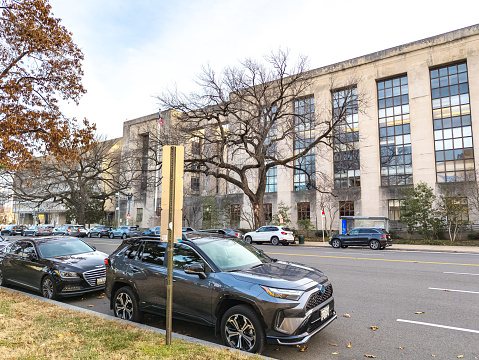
[33, 329]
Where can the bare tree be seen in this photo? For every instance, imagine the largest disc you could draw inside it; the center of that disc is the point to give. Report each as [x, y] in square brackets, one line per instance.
[247, 121]
[94, 176]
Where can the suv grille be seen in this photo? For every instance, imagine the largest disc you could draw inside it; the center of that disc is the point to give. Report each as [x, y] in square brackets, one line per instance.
[92, 275]
[317, 298]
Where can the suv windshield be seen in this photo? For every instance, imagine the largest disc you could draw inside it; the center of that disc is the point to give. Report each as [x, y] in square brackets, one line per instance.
[233, 255]
[62, 248]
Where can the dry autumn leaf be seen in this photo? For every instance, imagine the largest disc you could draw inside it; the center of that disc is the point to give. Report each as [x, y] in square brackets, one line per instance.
[347, 315]
[370, 356]
[419, 312]
[374, 328]
[401, 347]
[349, 345]
[433, 355]
[304, 348]
[91, 305]
[460, 356]
[333, 344]
[335, 353]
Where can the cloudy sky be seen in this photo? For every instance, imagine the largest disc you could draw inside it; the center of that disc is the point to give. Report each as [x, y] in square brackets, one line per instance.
[135, 49]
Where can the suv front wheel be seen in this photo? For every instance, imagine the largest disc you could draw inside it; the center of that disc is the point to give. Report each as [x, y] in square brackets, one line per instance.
[241, 329]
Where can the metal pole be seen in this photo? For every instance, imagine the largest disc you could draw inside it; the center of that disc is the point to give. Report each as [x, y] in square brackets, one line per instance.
[169, 269]
[118, 209]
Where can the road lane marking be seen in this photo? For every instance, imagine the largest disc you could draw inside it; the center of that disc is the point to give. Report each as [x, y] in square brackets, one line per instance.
[461, 291]
[439, 326]
[360, 258]
[458, 273]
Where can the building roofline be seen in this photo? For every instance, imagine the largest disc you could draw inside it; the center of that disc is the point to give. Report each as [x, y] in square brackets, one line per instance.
[397, 50]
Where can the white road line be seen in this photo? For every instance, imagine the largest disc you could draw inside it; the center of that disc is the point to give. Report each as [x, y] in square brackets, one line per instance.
[458, 273]
[439, 326]
[461, 291]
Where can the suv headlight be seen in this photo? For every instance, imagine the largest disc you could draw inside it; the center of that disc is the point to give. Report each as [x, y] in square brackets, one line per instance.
[67, 274]
[283, 293]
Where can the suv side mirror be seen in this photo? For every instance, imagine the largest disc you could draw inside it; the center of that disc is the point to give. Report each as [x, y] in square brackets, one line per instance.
[195, 269]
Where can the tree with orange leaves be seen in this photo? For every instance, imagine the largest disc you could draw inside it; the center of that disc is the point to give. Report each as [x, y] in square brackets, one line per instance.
[39, 66]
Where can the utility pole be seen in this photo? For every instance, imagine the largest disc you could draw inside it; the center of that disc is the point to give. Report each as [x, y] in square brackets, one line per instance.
[171, 216]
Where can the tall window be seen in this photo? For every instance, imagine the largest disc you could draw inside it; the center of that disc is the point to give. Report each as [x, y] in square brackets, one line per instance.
[394, 209]
[346, 208]
[304, 211]
[268, 212]
[196, 145]
[452, 123]
[235, 215]
[144, 165]
[346, 139]
[195, 183]
[272, 179]
[304, 135]
[394, 132]
[139, 215]
[271, 147]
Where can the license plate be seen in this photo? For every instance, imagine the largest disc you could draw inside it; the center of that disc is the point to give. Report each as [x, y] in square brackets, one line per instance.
[325, 312]
[100, 281]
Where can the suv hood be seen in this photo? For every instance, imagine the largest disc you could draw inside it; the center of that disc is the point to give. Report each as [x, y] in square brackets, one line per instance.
[284, 275]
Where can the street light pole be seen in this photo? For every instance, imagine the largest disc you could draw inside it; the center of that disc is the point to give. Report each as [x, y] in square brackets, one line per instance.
[130, 195]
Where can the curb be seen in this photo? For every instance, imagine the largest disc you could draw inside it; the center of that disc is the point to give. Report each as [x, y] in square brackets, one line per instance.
[141, 326]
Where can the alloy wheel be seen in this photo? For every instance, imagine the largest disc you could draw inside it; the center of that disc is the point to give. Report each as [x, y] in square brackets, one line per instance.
[48, 288]
[374, 244]
[240, 332]
[124, 306]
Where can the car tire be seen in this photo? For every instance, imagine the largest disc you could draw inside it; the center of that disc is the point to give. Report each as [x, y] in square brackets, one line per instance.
[112, 236]
[374, 244]
[248, 239]
[2, 279]
[89, 235]
[274, 241]
[49, 290]
[100, 235]
[123, 236]
[336, 243]
[125, 305]
[242, 319]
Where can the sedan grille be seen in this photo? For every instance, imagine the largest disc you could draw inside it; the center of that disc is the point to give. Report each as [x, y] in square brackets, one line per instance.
[92, 275]
[317, 298]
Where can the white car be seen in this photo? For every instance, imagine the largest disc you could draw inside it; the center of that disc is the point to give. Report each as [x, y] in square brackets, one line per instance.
[271, 233]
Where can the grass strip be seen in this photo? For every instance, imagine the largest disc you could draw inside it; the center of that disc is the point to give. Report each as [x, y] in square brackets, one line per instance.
[31, 329]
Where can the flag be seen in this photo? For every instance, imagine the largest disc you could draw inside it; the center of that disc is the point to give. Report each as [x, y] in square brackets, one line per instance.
[160, 120]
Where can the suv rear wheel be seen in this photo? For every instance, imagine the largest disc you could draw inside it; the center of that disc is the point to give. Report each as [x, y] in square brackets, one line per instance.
[241, 329]
[125, 305]
[248, 239]
[374, 244]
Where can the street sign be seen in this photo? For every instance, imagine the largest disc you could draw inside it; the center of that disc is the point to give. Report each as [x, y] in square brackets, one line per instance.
[128, 216]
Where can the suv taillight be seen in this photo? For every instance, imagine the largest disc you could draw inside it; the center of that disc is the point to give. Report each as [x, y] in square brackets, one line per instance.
[284, 233]
[384, 236]
[107, 262]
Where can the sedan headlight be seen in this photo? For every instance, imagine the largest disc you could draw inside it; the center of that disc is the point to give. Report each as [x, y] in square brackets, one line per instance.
[283, 293]
[67, 274]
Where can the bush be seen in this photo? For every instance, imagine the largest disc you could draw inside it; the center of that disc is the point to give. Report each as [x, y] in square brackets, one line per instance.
[473, 236]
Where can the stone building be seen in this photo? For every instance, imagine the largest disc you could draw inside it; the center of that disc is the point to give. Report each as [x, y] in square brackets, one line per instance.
[418, 126]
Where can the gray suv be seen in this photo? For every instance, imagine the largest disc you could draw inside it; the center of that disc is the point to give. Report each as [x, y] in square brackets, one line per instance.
[248, 297]
[375, 238]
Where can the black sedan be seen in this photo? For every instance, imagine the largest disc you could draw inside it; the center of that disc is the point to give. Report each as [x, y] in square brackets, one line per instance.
[375, 238]
[99, 231]
[53, 266]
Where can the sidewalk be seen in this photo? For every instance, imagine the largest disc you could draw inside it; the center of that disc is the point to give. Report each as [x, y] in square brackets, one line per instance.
[407, 247]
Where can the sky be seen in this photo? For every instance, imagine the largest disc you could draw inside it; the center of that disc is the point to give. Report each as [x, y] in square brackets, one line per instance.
[137, 49]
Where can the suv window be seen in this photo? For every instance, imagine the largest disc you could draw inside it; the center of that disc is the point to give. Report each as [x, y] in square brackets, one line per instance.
[131, 252]
[154, 252]
[184, 255]
[354, 232]
[271, 228]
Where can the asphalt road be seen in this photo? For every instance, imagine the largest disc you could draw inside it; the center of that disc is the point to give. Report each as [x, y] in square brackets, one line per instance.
[422, 303]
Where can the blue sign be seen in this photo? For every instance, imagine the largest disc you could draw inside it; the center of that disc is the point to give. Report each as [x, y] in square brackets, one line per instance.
[344, 227]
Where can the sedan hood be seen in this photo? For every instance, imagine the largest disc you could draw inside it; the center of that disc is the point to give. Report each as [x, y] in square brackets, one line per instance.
[284, 275]
[80, 262]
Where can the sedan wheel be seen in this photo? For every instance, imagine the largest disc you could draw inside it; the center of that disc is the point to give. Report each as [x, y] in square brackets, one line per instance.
[336, 243]
[126, 305]
[123, 236]
[49, 290]
[112, 236]
[274, 241]
[374, 244]
[89, 235]
[248, 239]
[100, 235]
[241, 329]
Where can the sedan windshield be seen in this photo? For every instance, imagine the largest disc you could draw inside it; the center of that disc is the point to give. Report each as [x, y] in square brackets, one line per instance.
[233, 255]
[63, 247]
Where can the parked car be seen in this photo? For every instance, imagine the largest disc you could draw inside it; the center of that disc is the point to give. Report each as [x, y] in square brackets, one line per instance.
[7, 230]
[125, 232]
[3, 243]
[187, 229]
[38, 230]
[99, 231]
[224, 231]
[225, 283]
[71, 230]
[154, 231]
[275, 234]
[53, 266]
[18, 230]
[375, 238]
